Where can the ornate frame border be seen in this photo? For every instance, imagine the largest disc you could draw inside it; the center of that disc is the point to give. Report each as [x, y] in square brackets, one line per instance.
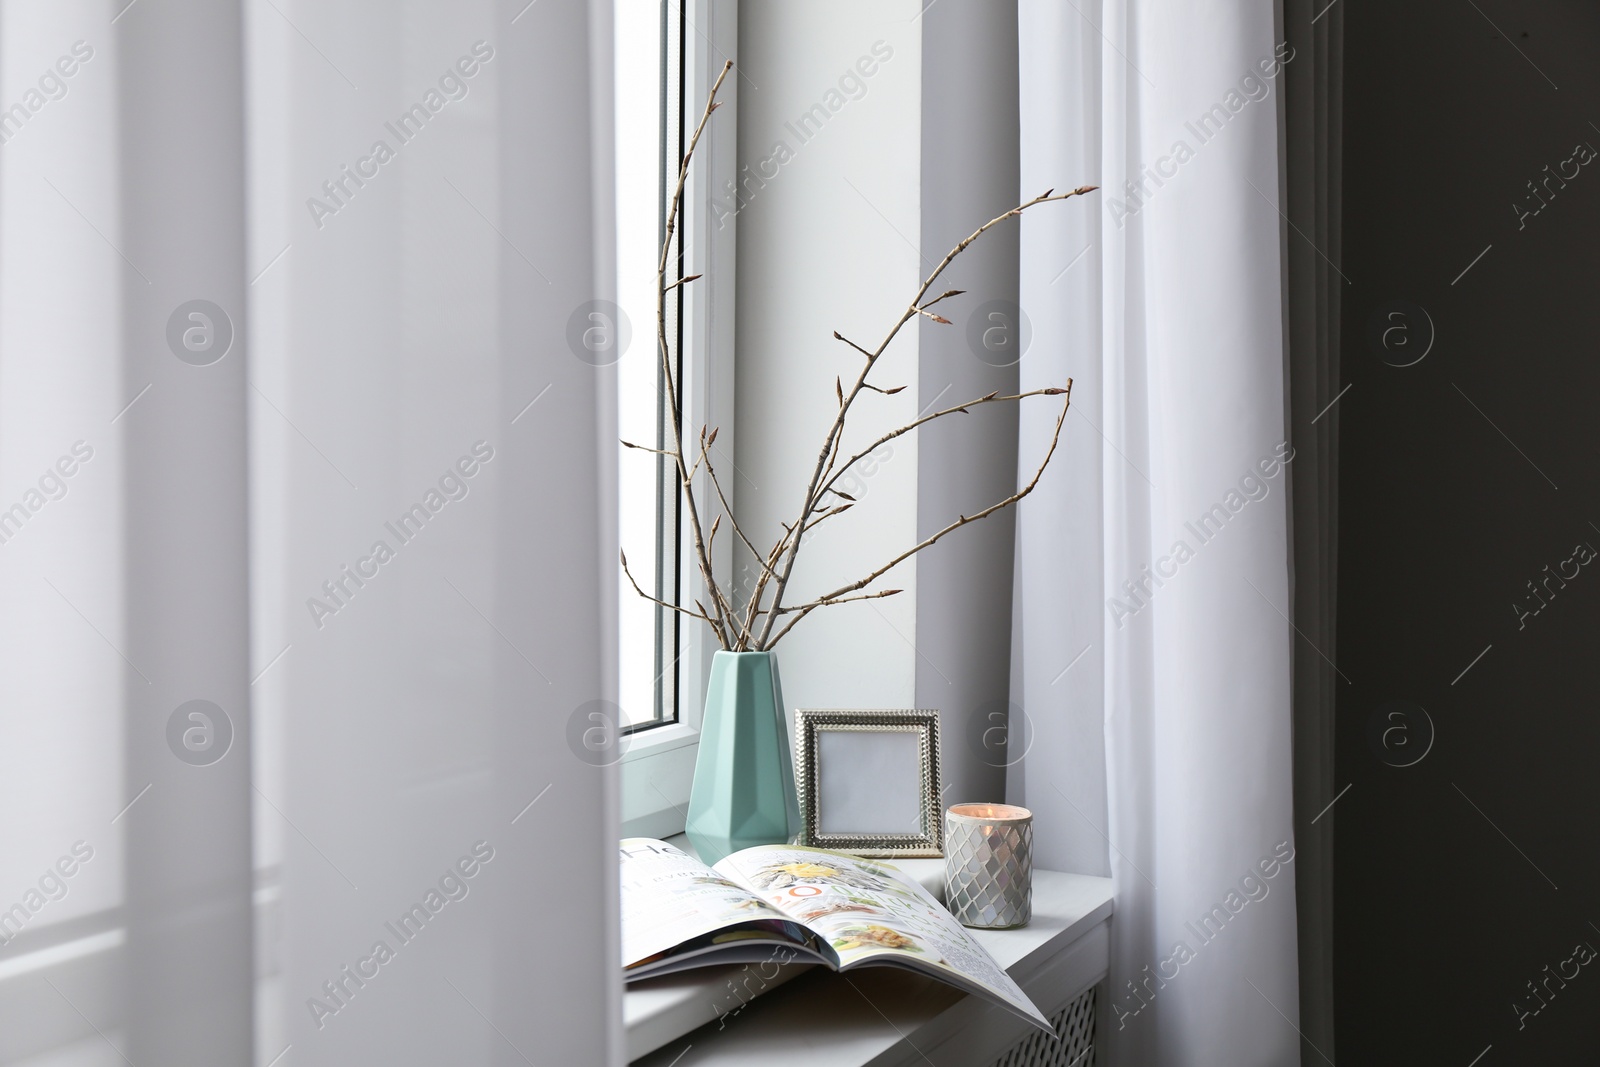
[808, 722]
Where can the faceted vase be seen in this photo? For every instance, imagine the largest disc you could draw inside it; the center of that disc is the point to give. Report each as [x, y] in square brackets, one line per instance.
[743, 792]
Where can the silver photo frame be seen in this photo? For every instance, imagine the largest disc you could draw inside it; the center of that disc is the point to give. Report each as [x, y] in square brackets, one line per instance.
[868, 780]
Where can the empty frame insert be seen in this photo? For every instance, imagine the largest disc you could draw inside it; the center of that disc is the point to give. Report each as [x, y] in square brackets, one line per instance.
[869, 780]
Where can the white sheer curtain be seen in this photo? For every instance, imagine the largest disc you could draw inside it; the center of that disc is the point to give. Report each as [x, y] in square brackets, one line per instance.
[1165, 304]
[380, 358]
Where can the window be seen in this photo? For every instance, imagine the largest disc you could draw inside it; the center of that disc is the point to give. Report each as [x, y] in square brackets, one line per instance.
[649, 135]
[668, 52]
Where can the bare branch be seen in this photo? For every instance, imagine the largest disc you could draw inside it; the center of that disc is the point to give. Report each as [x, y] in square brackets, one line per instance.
[720, 599]
[830, 443]
[830, 513]
[991, 398]
[838, 595]
[837, 336]
[754, 610]
[728, 511]
[807, 609]
[722, 623]
[692, 614]
[778, 564]
[705, 445]
[725, 612]
[842, 600]
[766, 564]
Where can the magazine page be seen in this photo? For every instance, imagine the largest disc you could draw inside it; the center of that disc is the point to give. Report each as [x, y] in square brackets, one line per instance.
[869, 912]
[675, 910]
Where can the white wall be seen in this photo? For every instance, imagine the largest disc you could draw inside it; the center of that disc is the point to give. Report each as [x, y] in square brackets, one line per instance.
[830, 241]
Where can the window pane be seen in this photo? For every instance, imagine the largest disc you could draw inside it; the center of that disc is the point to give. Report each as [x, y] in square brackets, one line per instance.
[646, 143]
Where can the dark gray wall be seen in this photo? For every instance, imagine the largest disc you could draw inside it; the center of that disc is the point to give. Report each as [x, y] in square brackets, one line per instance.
[1461, 877]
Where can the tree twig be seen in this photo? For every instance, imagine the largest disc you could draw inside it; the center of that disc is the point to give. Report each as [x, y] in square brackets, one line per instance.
[810, 500]
[702, 557]
[990, 398]
[839, 595]
[777, 565]
[842, 600]
[766, 564]
[675, 607]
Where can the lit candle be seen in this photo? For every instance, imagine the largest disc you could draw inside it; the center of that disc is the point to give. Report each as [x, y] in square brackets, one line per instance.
[988, 865]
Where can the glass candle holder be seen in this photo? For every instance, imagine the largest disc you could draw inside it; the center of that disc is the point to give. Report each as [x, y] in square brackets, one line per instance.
[988, 865]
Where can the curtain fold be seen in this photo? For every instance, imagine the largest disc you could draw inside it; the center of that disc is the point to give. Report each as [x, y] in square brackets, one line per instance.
[439, 440]
[1313, 96]
[187, 875]
[1153, 573]
[306, 590]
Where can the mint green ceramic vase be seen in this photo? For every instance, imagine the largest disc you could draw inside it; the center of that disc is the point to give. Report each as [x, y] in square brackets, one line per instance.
[743, 792]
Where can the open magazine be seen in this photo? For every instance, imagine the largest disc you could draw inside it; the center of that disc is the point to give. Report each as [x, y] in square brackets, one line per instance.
[793, 904]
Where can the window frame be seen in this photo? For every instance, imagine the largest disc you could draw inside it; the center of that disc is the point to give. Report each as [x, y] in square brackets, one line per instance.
[657, 764]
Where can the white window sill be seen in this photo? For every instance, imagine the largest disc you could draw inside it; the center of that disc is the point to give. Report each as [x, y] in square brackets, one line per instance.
[728, 1016]
[657, 769]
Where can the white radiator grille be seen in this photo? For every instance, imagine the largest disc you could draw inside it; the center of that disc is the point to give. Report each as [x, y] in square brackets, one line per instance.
[1073, 1045]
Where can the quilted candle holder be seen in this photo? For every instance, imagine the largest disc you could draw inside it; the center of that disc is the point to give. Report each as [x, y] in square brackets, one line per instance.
[988, 865]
